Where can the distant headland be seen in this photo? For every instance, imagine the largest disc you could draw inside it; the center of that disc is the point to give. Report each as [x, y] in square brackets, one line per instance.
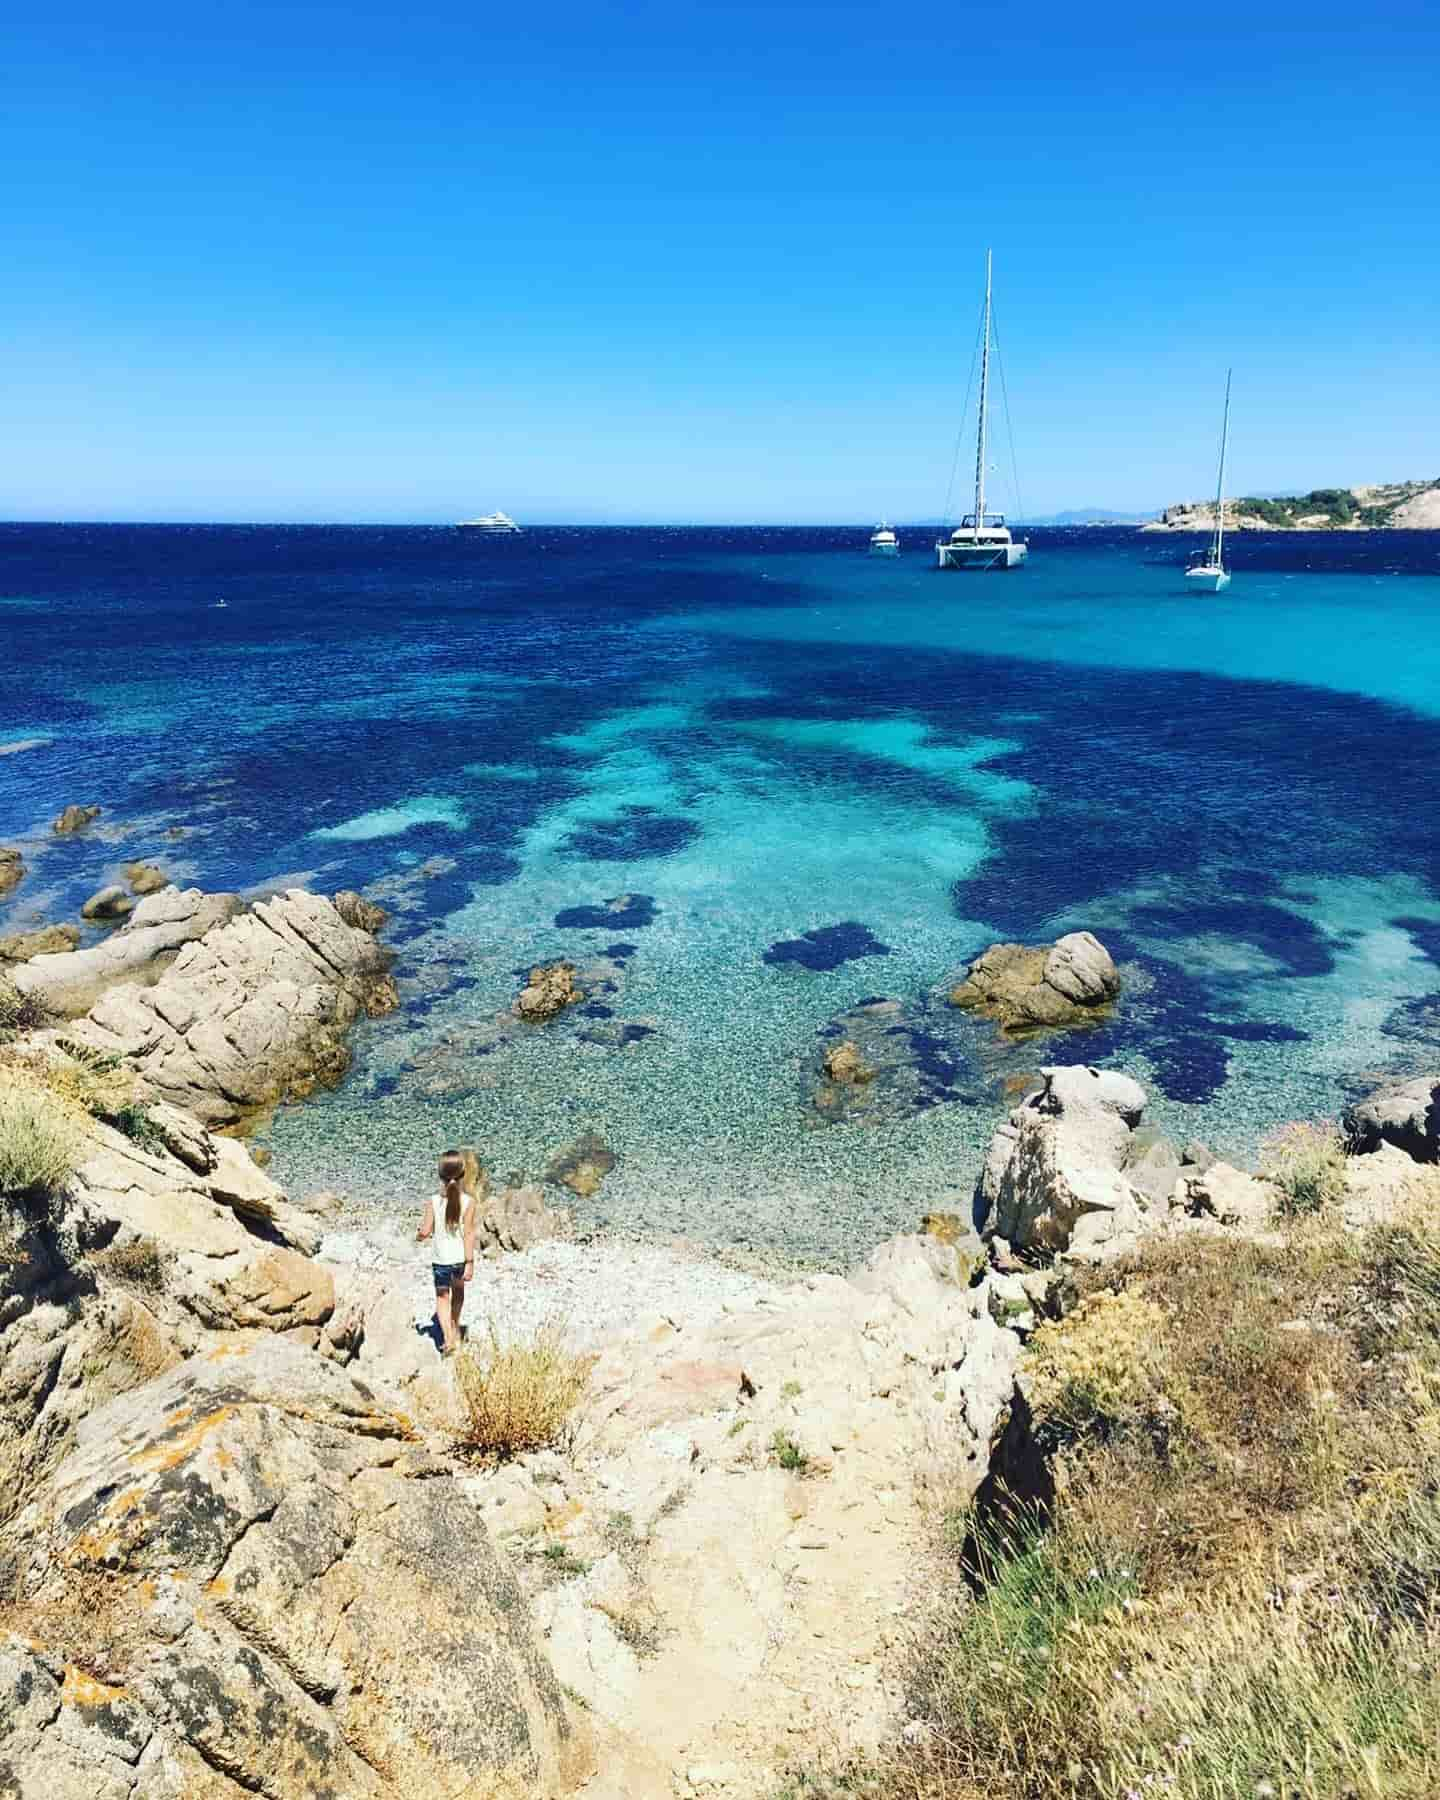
[1403, 505]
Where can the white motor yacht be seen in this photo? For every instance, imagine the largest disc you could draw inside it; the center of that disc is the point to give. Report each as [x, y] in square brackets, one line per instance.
[496, 521]
[982, 540]
[1207, 573]
[883, 541]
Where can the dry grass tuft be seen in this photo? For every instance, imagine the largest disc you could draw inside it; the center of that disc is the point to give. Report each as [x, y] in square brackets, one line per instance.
[1307, 1165]
[41, 1134]
[518, 1396]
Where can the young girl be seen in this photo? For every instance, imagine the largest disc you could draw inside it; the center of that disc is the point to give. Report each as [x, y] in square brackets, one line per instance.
[449, 1224]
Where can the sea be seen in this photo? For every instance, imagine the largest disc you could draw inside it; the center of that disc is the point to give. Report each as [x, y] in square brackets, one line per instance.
[766, 793]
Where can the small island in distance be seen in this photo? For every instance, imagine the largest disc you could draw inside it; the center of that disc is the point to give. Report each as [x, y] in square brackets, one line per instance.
[1403, 506]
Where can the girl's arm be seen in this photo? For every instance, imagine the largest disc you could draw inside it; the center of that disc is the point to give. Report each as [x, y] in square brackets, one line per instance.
[470, 1212]
[427, 1223]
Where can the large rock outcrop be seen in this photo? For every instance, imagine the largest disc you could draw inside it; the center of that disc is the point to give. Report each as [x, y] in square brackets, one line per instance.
[1403, 1113]
[253, 1013]
[107, 1282]
[249, 1577]
[70, 981]
[1026, 989]
[12, 869]
[1068, 1172]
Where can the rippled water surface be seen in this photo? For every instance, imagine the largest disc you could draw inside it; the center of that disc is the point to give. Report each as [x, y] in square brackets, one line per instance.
[822, 781]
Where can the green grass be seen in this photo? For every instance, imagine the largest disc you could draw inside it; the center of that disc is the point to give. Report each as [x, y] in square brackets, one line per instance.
[788, 1453]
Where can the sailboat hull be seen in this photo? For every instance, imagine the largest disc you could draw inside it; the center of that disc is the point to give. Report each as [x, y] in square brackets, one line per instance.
[981, 556]
[1208, 581]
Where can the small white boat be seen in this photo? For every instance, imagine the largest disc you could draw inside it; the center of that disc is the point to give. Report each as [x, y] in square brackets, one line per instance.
[982, 540]
[883, 541]
[1207, 573]
[496, 521]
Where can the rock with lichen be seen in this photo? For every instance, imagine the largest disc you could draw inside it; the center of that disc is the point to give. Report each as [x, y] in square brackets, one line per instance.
[1025, 988]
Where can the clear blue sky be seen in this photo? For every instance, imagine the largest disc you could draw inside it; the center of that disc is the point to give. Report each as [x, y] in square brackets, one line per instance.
[653, 262]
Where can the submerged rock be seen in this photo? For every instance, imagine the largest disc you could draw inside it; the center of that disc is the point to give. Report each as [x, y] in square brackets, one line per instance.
[846, 1065]
[108, 903]
[12, 869]
[549, 990]
[73, 819]
[828, 946]
[633, 911]
[1025, 989]
[1403, 1113]
[882, 1061]
[145, 878]
[583, 1165]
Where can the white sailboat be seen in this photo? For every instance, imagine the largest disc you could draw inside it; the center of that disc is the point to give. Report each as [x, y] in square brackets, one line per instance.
[982, 540]
[883, 541]
[1208, 571]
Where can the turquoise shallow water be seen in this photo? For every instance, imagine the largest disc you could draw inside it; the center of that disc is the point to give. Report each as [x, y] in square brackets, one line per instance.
[764, 735]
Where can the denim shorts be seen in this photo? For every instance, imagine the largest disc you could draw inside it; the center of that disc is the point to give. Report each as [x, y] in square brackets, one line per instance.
[448, 1275]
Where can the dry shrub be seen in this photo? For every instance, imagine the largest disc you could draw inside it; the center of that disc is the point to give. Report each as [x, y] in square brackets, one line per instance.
[138, 1264]
[41, 1134]
[18, 1012]
[1102, 1370]
[1307, 1164]
[518, 1396]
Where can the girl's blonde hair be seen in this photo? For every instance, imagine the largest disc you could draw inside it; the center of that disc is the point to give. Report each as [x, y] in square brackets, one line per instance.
[452, 1171]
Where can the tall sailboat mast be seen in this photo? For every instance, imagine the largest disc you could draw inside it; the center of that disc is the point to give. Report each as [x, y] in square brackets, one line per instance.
[1220, 488]
[984, 407]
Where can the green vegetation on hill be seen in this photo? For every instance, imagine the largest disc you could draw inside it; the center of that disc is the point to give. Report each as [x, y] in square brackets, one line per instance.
[1338, 505]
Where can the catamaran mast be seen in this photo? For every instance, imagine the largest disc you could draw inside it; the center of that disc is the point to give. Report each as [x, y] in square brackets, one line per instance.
[1220, 488]
[984, 408]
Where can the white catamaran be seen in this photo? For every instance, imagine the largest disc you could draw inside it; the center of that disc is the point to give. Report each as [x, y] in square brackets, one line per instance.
[1208, 571]
[981, 540]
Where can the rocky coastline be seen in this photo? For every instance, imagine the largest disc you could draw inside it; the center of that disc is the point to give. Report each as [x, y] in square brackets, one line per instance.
[235, 1504]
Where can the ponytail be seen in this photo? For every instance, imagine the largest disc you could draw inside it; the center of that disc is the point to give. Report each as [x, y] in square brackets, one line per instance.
[452, 1168]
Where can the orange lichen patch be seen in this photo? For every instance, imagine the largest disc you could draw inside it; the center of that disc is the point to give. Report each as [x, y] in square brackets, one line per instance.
[223, 1458]
[171, 1453]
[221, 1351]
[175, 1420]
[560, 1518]
[220, 1588]
[147, 1590]
[80, 1689]
[94, 1546]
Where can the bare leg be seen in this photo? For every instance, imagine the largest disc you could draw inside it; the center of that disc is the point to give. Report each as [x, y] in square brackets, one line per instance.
[443, 1314]
[457, 1305]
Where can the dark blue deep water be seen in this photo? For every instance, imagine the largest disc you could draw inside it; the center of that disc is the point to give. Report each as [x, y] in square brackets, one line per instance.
[801, 779]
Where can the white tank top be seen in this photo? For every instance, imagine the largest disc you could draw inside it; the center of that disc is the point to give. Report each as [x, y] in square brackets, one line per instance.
[448, 1246]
